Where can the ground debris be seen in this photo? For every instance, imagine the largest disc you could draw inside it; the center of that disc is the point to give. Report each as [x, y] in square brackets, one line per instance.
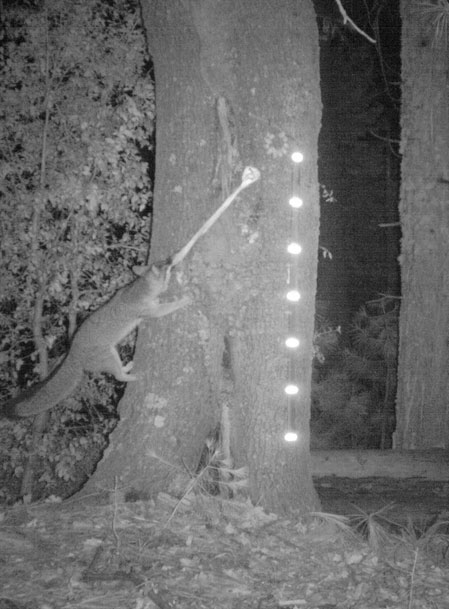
[206, 552]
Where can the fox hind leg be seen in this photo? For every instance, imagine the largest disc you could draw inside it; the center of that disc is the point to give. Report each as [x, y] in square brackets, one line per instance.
[113, 364]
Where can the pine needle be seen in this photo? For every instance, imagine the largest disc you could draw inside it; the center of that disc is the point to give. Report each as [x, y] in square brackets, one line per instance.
[436, 15]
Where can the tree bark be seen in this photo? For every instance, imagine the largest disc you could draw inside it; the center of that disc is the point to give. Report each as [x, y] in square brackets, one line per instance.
[423, 385]
[236, 85]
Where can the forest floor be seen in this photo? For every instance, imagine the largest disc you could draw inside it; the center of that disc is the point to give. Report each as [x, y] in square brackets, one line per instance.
[206, 553]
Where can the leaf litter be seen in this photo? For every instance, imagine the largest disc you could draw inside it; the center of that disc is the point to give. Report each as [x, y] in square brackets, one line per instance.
[207, 552]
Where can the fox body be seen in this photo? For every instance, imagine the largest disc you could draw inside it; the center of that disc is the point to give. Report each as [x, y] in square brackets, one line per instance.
[94, 345]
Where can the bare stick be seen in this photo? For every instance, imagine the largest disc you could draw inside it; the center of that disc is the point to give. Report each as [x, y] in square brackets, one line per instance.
[250, 175]
[347, 19]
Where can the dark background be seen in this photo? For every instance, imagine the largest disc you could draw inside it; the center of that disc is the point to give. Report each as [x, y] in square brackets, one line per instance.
[358, 157]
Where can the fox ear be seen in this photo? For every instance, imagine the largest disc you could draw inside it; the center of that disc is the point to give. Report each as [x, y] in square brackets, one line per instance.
[140, 270]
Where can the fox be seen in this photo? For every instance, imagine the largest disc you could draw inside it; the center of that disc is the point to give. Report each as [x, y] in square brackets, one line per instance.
[94, 344]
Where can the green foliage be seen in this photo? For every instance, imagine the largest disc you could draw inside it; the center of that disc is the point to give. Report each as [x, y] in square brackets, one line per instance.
[353, 393]
[76, 121]
[325, 341]
[67, 452]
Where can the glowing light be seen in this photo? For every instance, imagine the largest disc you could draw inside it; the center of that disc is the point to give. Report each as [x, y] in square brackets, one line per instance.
[295, 202]
[293, 296]
[297, 157]
[294, 248]
[290, 436]
[291, 389]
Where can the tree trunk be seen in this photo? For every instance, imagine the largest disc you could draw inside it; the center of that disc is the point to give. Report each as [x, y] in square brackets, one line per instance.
[423, 385]
[236, 85]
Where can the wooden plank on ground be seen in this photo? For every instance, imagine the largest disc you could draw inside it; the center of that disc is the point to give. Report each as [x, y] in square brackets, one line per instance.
[429, 464]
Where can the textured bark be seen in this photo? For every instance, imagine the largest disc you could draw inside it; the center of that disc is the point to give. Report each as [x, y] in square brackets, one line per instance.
[423, 385]
[229, 76]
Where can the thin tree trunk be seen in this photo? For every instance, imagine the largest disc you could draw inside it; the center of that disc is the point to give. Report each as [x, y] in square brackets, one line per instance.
[37, 274]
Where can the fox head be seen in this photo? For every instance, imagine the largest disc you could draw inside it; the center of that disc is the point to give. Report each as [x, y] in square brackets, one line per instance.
[157, 276]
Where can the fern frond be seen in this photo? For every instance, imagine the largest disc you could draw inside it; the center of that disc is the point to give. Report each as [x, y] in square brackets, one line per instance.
[436, 15]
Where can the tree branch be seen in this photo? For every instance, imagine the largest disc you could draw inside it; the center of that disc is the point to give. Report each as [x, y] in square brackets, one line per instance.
[347, 19]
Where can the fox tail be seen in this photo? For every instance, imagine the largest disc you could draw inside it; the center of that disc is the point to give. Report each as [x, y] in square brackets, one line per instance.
[47, 394]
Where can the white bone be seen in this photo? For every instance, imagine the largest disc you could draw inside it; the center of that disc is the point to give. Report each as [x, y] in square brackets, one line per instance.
[249, 176]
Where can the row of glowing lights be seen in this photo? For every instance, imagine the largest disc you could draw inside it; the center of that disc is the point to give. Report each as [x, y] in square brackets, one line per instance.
[293, 296]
